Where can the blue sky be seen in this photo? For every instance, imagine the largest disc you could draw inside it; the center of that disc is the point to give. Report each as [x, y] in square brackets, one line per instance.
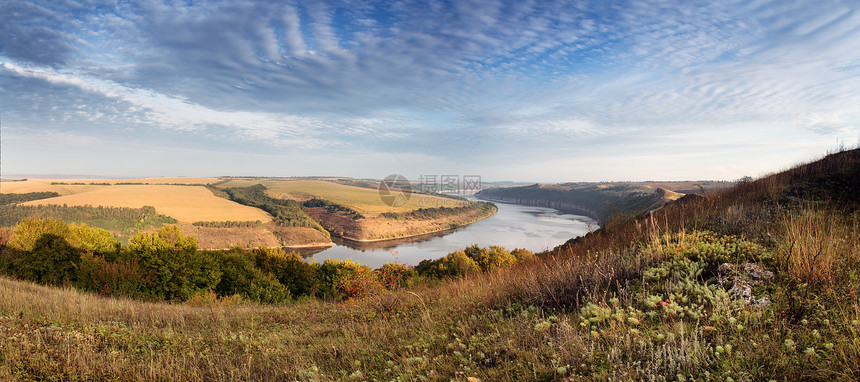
[526, 90]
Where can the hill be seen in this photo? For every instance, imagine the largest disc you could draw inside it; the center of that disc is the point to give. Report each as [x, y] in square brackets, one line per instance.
[358, 213]
[756, 282]
[600, 201]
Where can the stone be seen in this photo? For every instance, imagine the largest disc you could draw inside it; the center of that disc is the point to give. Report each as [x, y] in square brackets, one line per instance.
[740, 278]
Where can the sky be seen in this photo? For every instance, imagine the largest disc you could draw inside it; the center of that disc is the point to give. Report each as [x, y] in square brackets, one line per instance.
[532, 91]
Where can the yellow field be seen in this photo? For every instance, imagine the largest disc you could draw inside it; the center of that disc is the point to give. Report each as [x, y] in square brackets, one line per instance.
[44, 185]
[363, 200]
[183, 203]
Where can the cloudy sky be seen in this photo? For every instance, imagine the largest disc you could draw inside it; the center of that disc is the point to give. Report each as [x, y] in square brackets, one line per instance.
[509, 90]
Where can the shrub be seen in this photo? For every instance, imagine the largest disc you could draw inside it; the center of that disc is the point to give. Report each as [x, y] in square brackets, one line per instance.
[455, 264]
[344, 279]
[522, 255]
[490, 258]
[288, 268]
[178, 270]
[52, 261]
[240, 276]
[114, 278]
[394, 275]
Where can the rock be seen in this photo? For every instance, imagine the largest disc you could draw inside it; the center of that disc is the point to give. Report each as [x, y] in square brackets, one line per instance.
[741, 277]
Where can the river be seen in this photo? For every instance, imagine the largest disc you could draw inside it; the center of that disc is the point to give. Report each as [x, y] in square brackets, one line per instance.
[513, 226]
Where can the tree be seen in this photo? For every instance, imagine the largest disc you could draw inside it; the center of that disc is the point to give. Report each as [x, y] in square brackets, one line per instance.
[178, 271]
[52, 261]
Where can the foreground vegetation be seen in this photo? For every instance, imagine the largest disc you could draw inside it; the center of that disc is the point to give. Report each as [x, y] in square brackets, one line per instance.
[166, 266]
[121, 221]
[759, 282]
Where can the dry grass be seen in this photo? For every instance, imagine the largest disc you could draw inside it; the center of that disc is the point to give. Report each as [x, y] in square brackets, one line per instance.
[815, 245]
[363, 200]
[184, 203]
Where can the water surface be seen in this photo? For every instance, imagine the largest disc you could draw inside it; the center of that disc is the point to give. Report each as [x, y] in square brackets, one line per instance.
[513, 226]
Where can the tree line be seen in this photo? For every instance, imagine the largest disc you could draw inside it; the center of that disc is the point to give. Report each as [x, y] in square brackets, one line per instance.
[228, 224]
[333, 207]
[439, 212]
[118, 218]
[166, 266]
[25, 197]
[287, 213]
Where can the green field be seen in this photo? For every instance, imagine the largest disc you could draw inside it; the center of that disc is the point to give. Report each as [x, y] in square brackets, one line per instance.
[363, 200]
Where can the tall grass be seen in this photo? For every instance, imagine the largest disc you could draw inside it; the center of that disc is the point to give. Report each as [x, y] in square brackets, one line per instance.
[816, 245]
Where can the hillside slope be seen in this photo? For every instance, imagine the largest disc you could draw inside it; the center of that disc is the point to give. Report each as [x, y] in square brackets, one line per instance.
[600, 201]
[758, 282]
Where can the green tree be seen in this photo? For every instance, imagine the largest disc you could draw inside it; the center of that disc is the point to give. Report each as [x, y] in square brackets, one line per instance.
[178, 270]
[288, 268]
[52, 261]
[241, 277]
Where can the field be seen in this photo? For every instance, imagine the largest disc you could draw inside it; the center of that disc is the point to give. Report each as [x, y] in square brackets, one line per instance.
[45, 185]
[363, 200]
[184, 203]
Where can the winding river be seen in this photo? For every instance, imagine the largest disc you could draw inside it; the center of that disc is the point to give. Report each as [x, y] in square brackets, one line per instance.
[513, 226]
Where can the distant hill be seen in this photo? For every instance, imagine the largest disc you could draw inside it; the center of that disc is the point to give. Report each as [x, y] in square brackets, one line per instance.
[600, 201]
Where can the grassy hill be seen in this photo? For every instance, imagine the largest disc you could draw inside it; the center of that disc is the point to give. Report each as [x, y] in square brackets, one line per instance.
[357, 213]
[601, 201]
[756, 282]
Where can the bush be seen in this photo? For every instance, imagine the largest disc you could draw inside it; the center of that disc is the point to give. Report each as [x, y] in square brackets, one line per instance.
[288, 268]
[178, 270]
[240, 276]
[345, 279]
[522, 254]
[490, 258]
[114, 278]
[52, 261]
[455, 264]
[394, 275]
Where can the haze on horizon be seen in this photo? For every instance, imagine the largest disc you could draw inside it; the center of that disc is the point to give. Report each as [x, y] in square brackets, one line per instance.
[527, 91]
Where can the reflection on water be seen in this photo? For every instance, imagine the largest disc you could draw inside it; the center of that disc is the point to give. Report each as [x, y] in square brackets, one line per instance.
[513, 226]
